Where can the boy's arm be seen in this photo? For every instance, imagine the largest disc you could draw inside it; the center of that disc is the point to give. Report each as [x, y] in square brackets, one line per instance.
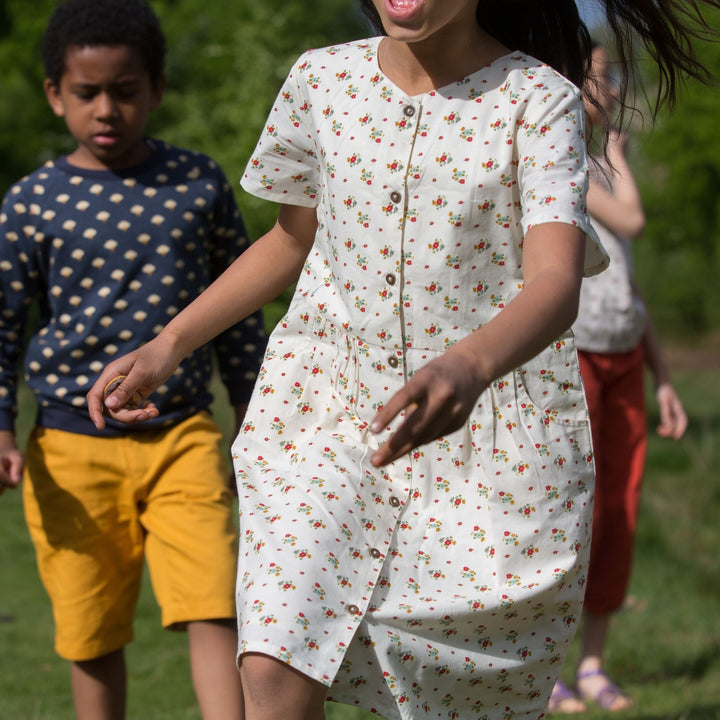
[12, 461]
[18, 284]
[240, 348]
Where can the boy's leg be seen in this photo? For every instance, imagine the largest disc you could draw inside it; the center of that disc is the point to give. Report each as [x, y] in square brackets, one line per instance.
[213, 648]
[191, 550]
[81, 516]
[99, 687]
[275, 691]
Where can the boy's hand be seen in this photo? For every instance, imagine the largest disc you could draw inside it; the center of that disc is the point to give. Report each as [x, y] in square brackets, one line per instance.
[12, 462]
[438, 398]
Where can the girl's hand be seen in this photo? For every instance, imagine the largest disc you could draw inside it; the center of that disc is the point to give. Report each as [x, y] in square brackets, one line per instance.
[673, 419]
[121, 389]
[617, 141]
[438, 398]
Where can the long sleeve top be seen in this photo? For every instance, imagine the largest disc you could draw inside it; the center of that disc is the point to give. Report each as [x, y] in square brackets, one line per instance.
[108, 258]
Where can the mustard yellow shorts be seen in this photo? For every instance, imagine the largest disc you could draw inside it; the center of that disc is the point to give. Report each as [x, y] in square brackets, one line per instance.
[96, 507]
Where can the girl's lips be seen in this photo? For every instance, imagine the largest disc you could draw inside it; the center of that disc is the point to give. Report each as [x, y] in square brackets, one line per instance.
[400, 10]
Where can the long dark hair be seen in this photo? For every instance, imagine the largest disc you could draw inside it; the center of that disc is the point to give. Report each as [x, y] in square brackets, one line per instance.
[553, 32]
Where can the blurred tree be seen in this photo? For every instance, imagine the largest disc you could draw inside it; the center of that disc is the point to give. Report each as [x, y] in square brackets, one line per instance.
[226, 62]
[29, 133]
[679, 171]
[226, 65]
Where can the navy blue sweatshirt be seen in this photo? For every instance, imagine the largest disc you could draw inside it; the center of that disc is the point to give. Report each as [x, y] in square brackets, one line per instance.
[111, 257]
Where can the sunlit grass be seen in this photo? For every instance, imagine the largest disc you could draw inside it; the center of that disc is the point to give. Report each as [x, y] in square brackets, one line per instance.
[664, 648]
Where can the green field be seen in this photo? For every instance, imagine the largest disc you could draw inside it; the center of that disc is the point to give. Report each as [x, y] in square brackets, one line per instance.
[664, 648]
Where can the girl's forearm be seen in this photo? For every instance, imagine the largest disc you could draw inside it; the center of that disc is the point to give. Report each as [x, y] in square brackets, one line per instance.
[442, 393]
[621, 211]
[654, 358]
[546, 307]
[258, 276]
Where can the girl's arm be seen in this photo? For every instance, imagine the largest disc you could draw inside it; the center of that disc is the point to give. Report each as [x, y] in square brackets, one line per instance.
[440, 396]
[259, 275]
[673, 419]
[620, 211]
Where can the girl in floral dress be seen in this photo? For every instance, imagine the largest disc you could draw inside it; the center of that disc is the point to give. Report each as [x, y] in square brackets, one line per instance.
[415, 471]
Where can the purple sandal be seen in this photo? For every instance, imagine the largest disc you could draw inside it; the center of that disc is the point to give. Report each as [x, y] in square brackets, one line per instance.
[609, 695]
[560, 694]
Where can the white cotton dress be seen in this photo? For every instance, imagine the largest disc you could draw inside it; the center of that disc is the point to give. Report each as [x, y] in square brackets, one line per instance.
[449, 583]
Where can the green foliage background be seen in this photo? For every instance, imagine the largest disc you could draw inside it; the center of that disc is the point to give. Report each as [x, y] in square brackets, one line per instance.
[225, 65]
[226, 62]
[678, 167]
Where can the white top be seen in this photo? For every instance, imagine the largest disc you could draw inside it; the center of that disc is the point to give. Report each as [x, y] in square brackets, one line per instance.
[611, 317]
[449, 581]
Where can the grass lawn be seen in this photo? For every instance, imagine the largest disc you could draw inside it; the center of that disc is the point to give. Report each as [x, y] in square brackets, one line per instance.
[664, 648]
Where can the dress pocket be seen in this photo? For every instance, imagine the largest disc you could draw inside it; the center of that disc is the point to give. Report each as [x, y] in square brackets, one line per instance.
[551, 382]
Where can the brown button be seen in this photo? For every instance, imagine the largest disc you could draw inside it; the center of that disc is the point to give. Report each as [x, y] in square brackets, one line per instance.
[409, 110]
[353, 609]
[393, 361]
[395, 196]
[374, 552]
[390, 278]
[395, 502]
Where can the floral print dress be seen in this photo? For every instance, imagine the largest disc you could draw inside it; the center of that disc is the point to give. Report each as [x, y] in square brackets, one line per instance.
[448, 583]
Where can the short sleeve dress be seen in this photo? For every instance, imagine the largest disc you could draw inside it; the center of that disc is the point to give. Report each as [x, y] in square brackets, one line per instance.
[449, 583]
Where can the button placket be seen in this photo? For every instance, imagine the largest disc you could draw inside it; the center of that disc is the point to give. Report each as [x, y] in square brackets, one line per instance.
[410, 126]
[390, 521]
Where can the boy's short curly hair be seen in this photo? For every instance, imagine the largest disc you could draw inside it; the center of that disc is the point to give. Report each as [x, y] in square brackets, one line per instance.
[81, 23]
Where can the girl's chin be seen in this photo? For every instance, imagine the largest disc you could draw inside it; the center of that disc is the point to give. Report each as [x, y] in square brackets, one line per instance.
[402, 10]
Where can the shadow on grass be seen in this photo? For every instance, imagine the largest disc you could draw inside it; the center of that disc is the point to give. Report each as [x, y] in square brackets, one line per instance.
[705, 711]
[694, 669]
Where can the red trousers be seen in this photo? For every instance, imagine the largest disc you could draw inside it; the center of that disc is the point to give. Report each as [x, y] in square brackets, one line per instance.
[614, 387]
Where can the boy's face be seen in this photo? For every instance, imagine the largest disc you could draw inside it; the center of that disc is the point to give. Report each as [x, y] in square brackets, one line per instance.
[105, 97]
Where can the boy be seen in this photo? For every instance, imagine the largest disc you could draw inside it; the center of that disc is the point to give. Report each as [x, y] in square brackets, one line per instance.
[114, 239]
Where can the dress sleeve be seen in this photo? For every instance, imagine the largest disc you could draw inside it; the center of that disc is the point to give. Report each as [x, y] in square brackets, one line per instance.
[553, 168]
[285, 166]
